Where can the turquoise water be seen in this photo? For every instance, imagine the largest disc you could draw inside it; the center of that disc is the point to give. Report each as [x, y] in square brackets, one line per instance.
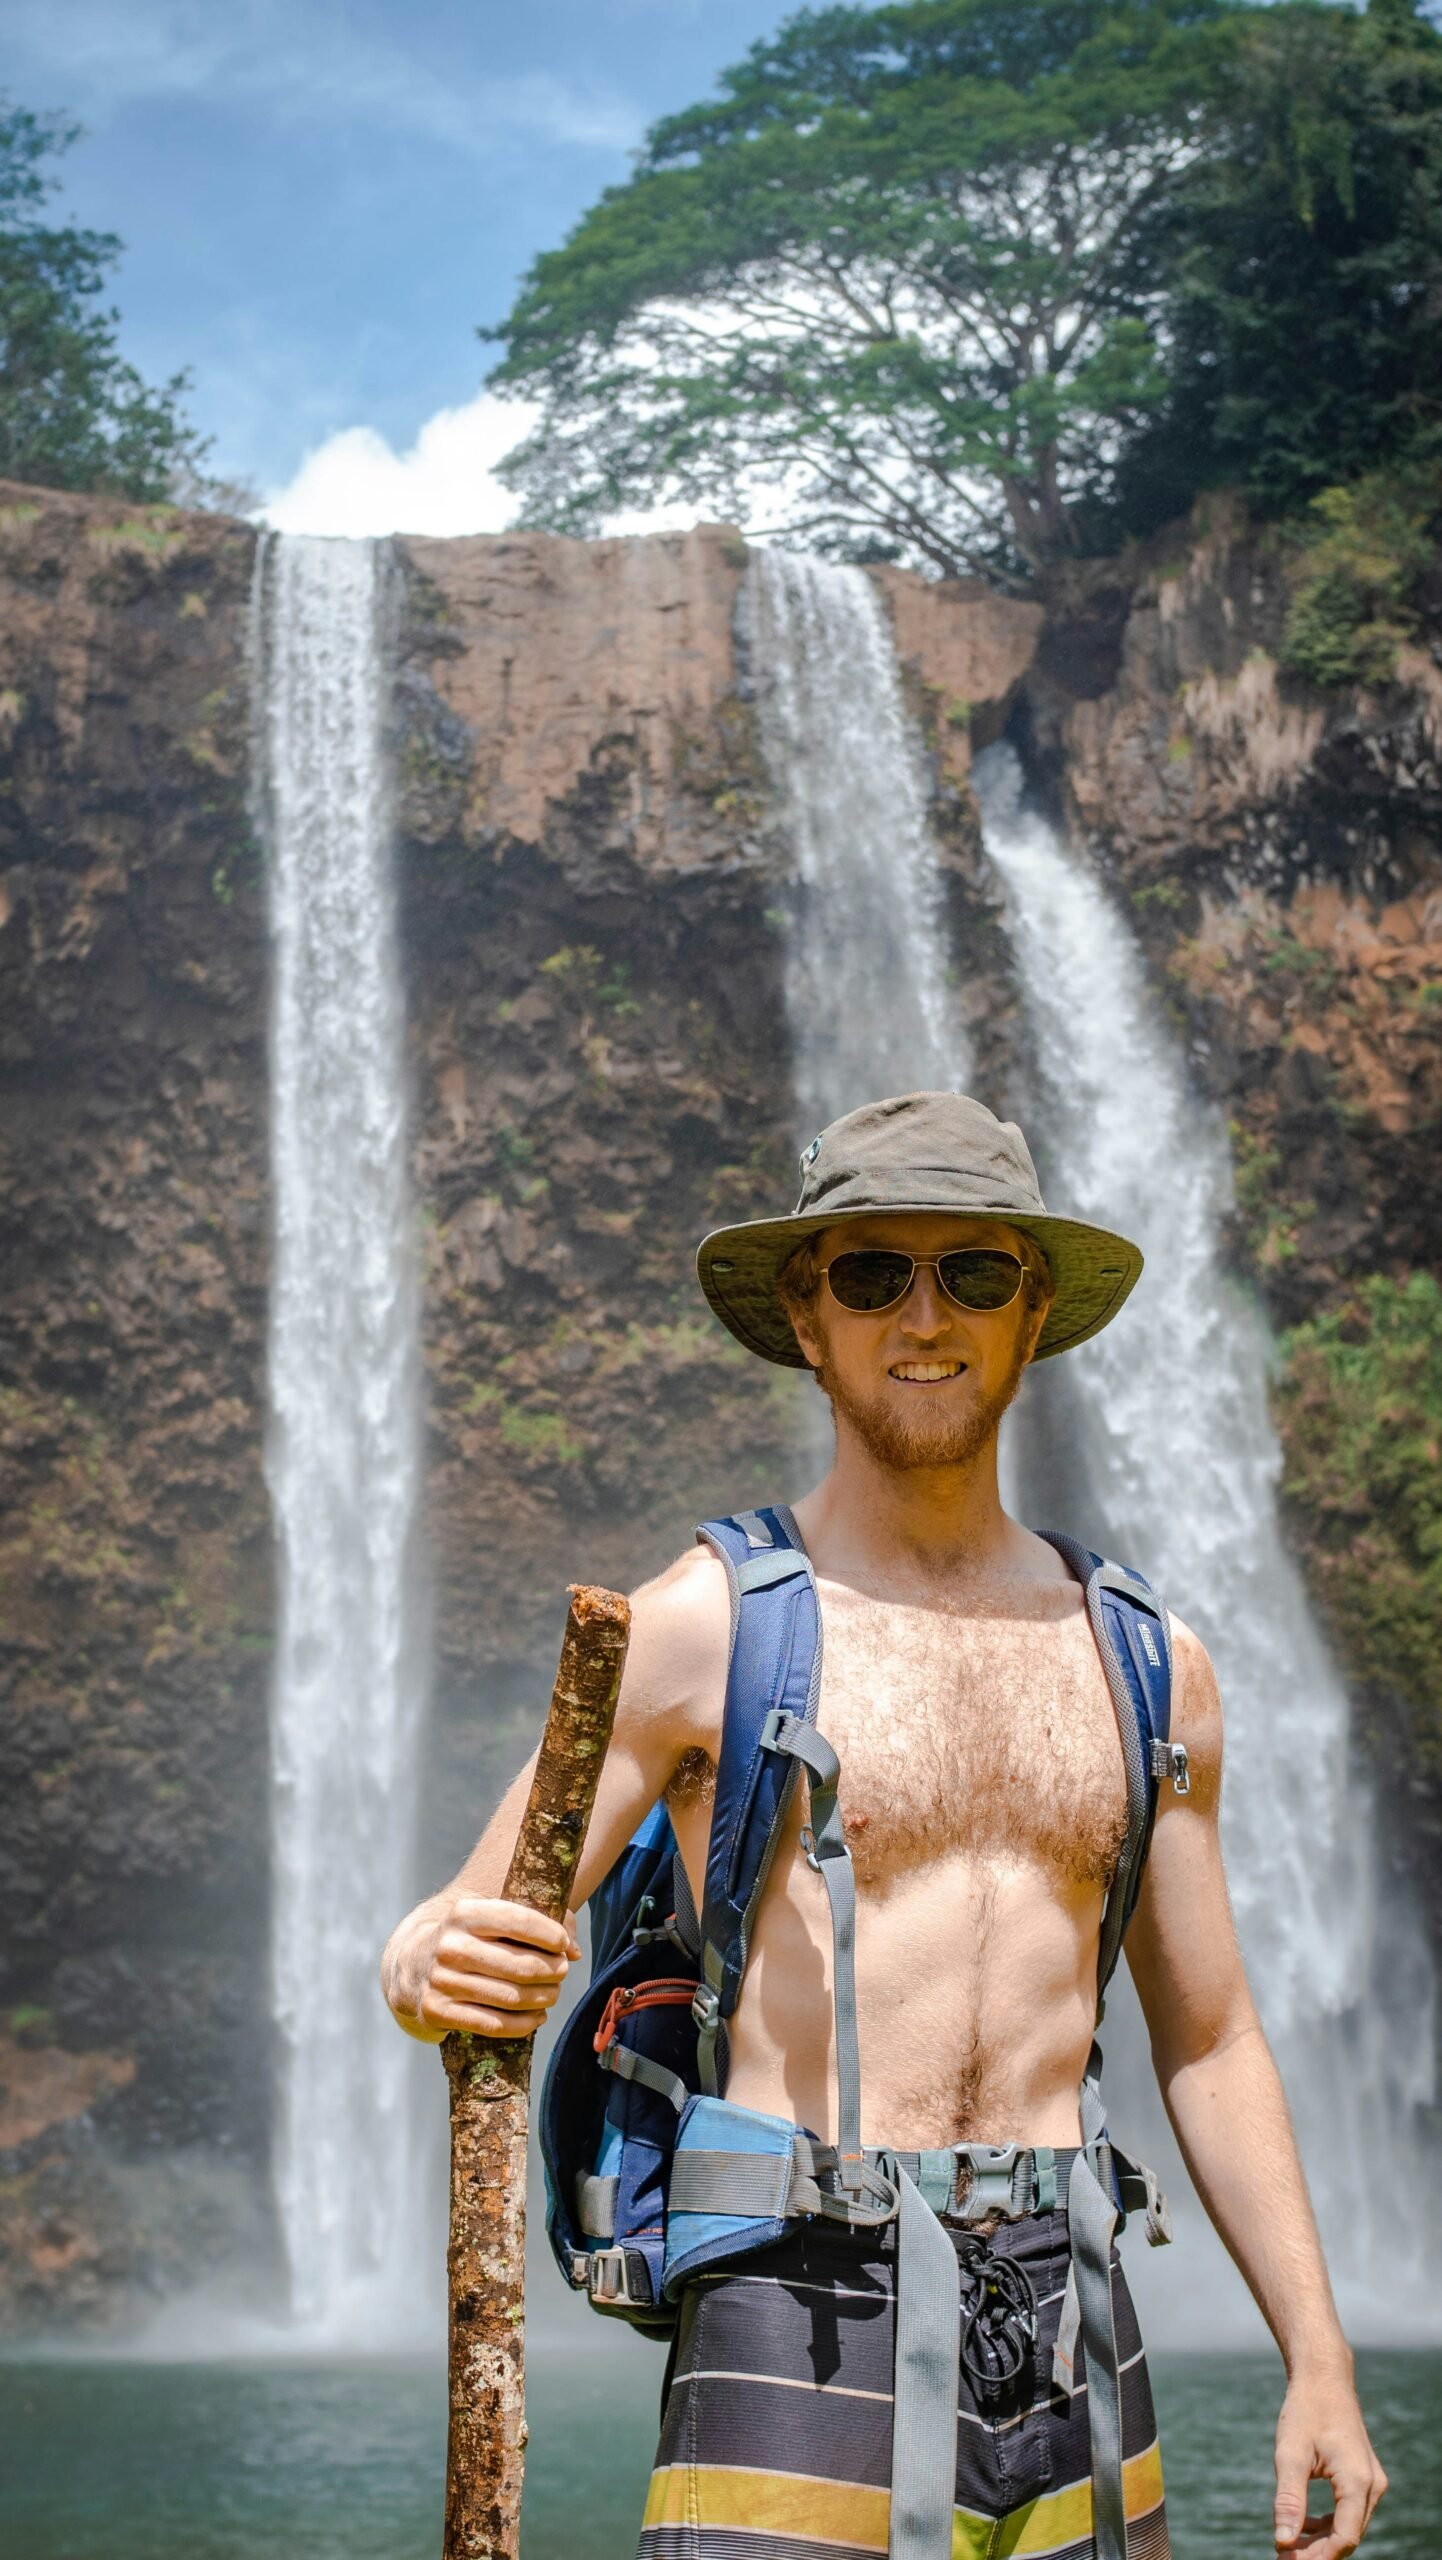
[301, 2462]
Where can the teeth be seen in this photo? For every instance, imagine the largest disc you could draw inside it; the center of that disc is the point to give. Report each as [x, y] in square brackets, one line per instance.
[926, 1371]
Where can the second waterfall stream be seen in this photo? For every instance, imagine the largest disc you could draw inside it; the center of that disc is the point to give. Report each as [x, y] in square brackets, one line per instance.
[1157, 1442]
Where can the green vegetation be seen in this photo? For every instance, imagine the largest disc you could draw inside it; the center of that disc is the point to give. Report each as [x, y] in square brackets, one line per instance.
[1304, 968]
[580, 969]
[1353, 570]
[73, 413]
[1360, 1408]
[976, 282]
[1267, 1220]
[1159, 897]
[540, 1438]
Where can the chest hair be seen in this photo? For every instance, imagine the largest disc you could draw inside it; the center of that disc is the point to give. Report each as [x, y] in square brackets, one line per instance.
[991, 1737]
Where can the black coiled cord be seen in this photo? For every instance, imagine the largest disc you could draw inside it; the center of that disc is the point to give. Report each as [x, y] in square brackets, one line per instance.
[998, 2315]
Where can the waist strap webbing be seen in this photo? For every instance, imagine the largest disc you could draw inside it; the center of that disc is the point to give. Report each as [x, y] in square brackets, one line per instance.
[928, 2366]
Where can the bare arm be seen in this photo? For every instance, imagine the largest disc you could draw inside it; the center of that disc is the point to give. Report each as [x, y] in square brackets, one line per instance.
[1227, 2106]
[465, 1958]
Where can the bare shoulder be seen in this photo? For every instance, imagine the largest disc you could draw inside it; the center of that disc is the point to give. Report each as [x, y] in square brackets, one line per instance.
[1196, 1709]
[680, 1642]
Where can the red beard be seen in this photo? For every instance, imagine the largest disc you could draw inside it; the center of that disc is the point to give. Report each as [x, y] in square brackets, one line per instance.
[940, 1433]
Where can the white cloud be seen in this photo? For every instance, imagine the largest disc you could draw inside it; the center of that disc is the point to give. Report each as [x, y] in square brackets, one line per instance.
[355, 483]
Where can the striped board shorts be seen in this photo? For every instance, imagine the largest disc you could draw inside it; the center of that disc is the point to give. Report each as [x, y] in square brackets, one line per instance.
[776, 2421]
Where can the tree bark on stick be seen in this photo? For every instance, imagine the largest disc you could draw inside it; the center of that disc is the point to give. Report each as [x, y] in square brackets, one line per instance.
[490, 2079]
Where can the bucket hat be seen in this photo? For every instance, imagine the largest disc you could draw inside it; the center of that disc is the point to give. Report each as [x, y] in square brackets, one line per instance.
[915, 1152]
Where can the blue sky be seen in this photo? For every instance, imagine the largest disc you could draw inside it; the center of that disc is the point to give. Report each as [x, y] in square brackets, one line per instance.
[321, 198]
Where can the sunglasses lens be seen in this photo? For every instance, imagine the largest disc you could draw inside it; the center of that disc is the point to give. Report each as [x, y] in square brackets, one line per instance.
[979, 1278]
[867, 1282]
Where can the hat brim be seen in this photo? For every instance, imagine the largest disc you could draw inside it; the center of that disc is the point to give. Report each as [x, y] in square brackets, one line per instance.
[1093, 1272]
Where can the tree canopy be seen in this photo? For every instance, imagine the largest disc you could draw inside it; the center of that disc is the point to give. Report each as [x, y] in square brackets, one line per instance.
[970, 281]
[73, 413]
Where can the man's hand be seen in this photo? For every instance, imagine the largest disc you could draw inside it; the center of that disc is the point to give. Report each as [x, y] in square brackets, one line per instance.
[1321, 2436]
[494, 1968]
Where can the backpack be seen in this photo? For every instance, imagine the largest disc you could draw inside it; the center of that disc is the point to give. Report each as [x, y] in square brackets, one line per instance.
[649, 2175]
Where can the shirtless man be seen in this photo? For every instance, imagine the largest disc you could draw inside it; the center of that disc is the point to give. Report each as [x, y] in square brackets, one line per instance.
[985, 1803]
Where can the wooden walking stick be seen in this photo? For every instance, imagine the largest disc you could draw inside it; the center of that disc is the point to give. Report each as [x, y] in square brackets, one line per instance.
[490, 2079]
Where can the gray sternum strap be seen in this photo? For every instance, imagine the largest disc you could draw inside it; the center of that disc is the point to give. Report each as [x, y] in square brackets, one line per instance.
[827, 1854]
[928, 2288]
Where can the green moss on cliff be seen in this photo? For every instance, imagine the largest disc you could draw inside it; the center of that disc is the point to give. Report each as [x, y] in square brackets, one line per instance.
[1360, 1410]
[1353, 574]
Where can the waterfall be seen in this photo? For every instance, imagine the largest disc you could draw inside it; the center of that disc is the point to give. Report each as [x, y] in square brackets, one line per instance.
[867, 993]
[344, 1444]
[1156, 1440]
[1174, 1454]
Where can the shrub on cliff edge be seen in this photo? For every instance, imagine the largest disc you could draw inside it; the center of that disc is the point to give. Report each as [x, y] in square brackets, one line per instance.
[1360, 1411]
[1353, 568]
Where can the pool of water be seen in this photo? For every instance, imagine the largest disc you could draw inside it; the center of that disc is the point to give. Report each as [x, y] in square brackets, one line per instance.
[120, 2461]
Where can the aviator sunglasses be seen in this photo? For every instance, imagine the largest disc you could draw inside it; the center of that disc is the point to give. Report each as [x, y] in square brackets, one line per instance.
[980, 1278]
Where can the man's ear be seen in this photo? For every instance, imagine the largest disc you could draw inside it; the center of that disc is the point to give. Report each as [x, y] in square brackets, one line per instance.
[813, 1349]
[1035, 1320]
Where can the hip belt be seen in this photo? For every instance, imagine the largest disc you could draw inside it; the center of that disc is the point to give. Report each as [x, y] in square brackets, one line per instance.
[739, 2178]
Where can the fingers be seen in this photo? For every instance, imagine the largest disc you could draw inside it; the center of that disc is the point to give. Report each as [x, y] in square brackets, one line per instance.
[496, 1968]
[492, 1991]
[1289, 2508]
[498, 1957]
[439, 2010]
[1334, 2536]
[481, 1917]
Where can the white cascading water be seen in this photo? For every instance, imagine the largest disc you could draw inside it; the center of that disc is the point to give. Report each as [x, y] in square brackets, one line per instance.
[344, 1447]
[1169, 1417]
[1160, 1436]
[867, 994]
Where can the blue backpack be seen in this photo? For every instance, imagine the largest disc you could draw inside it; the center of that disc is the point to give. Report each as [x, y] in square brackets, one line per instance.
[650, 2176]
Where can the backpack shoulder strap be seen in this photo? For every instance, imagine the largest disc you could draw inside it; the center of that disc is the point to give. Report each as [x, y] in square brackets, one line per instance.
[775, 1664]
[1133, 1636]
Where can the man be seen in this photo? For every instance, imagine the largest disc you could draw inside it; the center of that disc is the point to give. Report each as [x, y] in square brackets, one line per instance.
[985, 1804]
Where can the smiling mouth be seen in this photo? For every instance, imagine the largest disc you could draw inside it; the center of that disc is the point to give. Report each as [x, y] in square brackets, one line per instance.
[925, 1373]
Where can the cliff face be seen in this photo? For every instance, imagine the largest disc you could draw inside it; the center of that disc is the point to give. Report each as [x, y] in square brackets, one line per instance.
[587, 874]
[590, 881]
[134, 1550]
[1279, 849]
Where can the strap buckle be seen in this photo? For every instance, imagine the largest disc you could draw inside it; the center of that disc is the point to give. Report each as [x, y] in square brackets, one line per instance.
[1140, 2191]
[998, 2170]
[706, 2006]
[869, 2192]
[1169, 1760]
[608, 2281]
[776, 1732]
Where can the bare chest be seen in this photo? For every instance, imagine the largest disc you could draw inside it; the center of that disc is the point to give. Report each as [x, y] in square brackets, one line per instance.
[990, 1737]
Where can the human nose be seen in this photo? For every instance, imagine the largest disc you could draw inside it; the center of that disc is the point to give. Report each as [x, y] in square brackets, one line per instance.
[925, 1310]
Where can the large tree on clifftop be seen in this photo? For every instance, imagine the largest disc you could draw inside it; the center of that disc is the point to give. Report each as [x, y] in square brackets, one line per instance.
[892, 271]
[969, 281]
